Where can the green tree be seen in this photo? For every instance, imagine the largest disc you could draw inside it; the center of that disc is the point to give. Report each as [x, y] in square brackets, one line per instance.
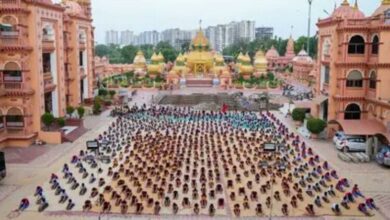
[316, 125]
[301, 42]
[69, 110]
[80, 111]
[102, 50]
[167, 51]
[128, 53]
[148, 50]
[298, 114]
[185, 47]
[47, 119]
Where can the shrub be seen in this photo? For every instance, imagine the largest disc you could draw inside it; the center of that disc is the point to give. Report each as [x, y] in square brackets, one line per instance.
[96, 108]
[316, 125]
[98, 99]
[124, 84]
[61, 122]
[112, 93]
[270, 76]
[47, 119]
[69, 110]
[80, 111]
[102, 92]
[298, 114]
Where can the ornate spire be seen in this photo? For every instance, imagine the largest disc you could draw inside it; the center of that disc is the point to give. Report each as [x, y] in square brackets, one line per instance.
[345, 3]
[356, 6]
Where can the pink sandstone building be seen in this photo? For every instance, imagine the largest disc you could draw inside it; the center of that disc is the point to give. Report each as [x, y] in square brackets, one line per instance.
[353, 71]
[277, 62]
[46, 64]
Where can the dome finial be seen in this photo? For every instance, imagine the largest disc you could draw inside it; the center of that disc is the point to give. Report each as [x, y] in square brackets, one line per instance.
[345, 3]
[356, 6]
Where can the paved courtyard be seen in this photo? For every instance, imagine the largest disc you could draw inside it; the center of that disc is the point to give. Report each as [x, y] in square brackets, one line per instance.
[25, 175]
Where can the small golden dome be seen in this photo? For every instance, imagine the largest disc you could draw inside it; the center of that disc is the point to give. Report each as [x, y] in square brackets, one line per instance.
[246, 58]
[139, 58]
[180, 58]
[154, 57]
[160, 57]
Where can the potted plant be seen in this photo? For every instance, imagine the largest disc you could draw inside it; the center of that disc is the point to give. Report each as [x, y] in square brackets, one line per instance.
[61, 122]
[315, 126]
[47, 119]
[69, 111]
[298, 115]
[112, 93]
[80, 112]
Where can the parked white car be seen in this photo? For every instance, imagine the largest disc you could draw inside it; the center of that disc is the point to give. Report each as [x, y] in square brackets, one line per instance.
[350, 143]
[338, 137]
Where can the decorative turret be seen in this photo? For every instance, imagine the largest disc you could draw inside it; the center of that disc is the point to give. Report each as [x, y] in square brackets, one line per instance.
[245, 68]
[200, 42]
[155, 68]
[290, 48]
[260, 63]
[219, 65]
[180, 66]
[139, 63]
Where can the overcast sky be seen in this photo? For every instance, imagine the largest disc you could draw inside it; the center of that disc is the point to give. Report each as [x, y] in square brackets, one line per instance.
[143, 15]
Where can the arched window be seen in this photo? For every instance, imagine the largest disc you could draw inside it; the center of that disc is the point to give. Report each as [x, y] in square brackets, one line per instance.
[356, 45]
[352, 112]
[375, 45]
[12, 72]
[14, 118]
[8, 24]
[373, 79]
[355, 79]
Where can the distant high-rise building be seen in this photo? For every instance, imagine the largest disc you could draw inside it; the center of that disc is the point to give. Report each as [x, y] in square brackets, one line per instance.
[112, 37]
[264, 32]
[149, 37]
[127, 37]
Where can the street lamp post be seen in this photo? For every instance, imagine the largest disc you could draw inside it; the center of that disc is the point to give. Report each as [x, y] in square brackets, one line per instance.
[308, 27]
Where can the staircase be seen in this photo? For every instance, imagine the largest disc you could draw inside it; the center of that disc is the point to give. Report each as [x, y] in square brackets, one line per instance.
[199, 83]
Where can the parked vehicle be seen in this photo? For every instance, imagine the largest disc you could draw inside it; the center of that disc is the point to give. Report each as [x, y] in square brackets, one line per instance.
[2, 166]
[383, 156]
[352, 143]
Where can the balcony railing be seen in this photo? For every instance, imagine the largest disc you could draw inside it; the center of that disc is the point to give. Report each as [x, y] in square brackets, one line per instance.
[13, 85]
[14, 124]
[47, 76]
[9, 38]
[9, 2]
[48, 37]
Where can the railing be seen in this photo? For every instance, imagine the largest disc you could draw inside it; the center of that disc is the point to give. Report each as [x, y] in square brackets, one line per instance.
[48, 37]
[14, 124]
[47, 76]
[10, 2]
[9, 38]
[13, 85]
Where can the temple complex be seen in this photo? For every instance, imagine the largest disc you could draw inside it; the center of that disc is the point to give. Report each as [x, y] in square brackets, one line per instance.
[46, 64]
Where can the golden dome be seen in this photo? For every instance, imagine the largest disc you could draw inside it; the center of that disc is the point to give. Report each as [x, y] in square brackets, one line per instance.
[161, 58]
[246, 69]
[260, 58]
[219, 58]
[200, 41]
[180, 58]
[240, 57]
[246, 58]
[154, 57]
[139, 58]
[154, 68]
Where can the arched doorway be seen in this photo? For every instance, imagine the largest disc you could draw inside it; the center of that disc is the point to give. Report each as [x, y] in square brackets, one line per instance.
[352, 112]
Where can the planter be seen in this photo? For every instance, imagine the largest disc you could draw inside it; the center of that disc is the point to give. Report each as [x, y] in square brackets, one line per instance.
[74, 122]
[314, 136]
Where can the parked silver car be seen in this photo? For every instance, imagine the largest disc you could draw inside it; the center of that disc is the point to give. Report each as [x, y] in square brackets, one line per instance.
[350, 143]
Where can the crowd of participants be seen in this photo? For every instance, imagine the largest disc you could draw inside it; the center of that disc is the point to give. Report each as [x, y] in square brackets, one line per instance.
[181, 161]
